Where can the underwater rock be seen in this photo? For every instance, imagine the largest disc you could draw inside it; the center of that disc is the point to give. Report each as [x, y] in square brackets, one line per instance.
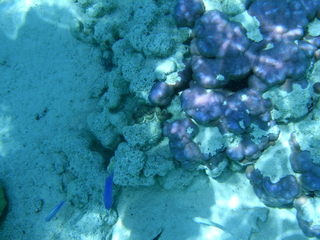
[289, 106]
[143, 135]
[128, 165]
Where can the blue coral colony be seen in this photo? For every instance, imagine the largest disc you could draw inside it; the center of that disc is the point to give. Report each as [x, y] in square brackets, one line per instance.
[222, 84]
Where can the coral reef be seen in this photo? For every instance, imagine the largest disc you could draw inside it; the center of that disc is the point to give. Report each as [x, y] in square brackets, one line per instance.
[138, 48]
[243, 87]
[206, 95]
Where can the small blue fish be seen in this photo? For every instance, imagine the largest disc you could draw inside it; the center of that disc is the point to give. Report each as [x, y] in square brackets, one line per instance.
[158, 236]
[107, 194]
[54, 211]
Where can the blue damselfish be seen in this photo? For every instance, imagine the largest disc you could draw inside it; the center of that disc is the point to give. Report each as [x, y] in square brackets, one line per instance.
[54, 211]
[107, 194]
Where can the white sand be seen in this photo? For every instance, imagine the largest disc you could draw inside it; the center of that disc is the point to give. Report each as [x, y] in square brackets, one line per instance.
[46, 81]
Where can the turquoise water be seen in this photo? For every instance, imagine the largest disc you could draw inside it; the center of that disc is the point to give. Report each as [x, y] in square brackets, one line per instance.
[75, 78]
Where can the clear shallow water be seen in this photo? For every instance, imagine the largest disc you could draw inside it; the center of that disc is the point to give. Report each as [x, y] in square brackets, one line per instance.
[62, 112]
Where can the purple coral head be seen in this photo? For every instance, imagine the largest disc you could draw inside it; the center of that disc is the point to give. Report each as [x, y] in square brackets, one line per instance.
[283, 60]
[186, 12]
[235, 153]
[179, 129]
[301, 161]
[281, 19]
[236, 121]
[310, 181]
[278, 194]
[185, 76]
[209, 73]
[237, 67]
[254, 102]
[244, 107]
[308, 48]
[184, 150]
[254, 175]
[281, 193]
[257, 84]
[311, 7]
[246, 149]
[216, 36]
[236, 116]
[202, 105]
[161, 94]
[251, 150]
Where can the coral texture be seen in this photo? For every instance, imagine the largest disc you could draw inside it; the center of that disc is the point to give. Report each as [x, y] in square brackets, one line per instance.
[244, 88]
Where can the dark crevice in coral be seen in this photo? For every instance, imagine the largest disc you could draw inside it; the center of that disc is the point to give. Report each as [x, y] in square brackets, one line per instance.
[96, 146]
[235, 86]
